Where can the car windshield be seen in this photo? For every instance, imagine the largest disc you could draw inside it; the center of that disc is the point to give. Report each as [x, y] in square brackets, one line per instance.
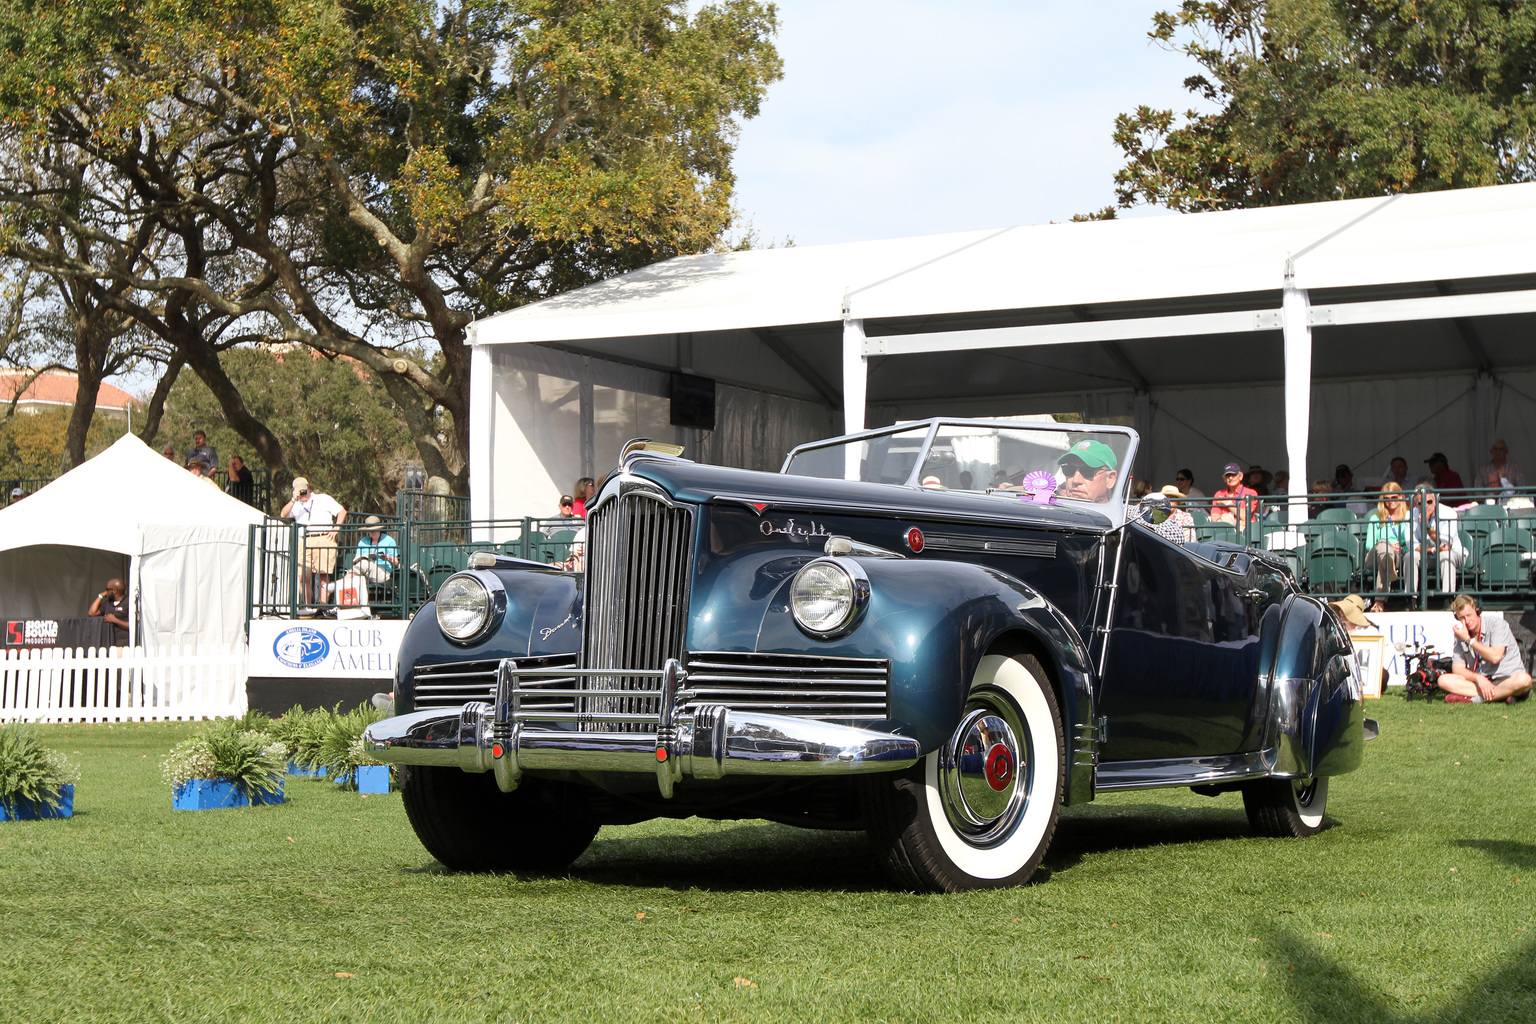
[1077, 463]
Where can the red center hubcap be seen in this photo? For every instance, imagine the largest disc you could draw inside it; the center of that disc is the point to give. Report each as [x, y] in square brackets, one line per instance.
[999, 767]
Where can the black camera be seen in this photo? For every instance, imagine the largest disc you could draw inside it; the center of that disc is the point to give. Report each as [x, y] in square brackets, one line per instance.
[1424, 668]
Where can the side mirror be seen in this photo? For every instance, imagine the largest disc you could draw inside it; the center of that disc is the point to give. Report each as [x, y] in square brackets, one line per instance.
[1155, 509]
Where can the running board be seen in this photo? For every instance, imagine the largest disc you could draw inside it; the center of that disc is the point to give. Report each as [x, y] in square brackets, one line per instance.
[1183, 771]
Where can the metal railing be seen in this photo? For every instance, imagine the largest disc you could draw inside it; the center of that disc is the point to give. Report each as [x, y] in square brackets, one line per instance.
[1334, 552]
[28, 484]
[1490, 547]
[260, 491]
[429, 551]
[422, 506]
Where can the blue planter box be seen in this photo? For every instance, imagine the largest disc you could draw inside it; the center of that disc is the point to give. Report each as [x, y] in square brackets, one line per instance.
[373, 778]
[212, 794]
[26, 810]
[294, 769]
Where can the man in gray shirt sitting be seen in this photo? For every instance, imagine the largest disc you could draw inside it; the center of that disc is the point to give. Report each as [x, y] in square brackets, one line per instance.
[1485, 660]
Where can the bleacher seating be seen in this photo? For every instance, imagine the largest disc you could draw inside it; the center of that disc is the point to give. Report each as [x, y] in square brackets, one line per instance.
[1477, 525]
[1332, 567]
[1504, 565]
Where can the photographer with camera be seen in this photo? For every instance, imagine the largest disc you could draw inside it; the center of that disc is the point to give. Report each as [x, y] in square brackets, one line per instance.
[320, 515]
[1485, 661]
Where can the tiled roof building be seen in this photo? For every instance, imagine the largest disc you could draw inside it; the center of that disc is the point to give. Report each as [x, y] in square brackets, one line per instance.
[56, 388]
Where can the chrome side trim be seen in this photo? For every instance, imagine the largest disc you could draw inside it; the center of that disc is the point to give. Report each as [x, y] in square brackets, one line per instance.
[1180, 771]
[1028, 547]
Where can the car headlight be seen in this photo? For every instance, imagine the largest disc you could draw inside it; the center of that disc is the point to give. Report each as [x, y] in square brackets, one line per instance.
[469, 606]
[828, 596]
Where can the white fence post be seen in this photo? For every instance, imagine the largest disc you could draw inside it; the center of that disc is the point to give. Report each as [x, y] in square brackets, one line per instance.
[119, 684]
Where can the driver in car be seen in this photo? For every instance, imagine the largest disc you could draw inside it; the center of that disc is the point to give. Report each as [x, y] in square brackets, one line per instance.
[1091, 470]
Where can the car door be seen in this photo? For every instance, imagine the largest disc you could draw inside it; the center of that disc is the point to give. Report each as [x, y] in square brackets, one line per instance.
[1182, 662]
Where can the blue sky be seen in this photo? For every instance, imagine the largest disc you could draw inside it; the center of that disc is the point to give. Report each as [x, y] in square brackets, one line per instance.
[901, 117]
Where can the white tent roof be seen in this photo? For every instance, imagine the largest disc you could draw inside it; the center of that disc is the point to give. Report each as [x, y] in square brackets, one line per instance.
[106, 502]
[1412, 316]
[1432, 236]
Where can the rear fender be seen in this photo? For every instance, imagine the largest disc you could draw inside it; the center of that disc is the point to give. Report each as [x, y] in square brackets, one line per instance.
[1316, 717]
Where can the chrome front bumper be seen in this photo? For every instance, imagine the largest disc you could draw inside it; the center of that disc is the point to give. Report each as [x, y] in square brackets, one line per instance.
[704, 741]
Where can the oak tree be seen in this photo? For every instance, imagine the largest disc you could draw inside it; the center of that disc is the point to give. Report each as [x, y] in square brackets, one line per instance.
[370, 176]
[1314, 100]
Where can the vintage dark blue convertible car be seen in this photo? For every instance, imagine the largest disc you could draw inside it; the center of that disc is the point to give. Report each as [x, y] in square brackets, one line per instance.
[940, 633]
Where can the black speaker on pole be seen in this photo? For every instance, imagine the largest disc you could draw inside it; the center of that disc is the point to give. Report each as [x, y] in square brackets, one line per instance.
[693, 401]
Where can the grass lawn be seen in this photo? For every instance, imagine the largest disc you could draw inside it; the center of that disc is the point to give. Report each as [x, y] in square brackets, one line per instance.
[1419, 904]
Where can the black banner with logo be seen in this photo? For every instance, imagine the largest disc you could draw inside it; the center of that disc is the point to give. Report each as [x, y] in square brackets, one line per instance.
[69, 632]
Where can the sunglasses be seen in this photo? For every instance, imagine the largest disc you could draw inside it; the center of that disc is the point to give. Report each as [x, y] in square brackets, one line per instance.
[1082, 469]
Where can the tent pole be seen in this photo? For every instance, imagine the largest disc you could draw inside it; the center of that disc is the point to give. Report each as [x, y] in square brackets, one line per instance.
[855, 388]
[482, 425]
[1297, 334]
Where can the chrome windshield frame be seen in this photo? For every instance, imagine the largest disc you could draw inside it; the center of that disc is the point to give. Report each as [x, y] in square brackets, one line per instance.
[1114, 507]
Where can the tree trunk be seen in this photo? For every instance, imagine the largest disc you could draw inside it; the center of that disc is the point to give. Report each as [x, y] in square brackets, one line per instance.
[92, 338]
[156, 408]
[87, 384]
[203, 358]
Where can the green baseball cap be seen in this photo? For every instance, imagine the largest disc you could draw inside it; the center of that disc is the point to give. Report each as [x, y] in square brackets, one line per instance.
[1091, 453]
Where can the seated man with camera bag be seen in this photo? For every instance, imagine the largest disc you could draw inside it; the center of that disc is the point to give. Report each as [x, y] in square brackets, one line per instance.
[1485, 661]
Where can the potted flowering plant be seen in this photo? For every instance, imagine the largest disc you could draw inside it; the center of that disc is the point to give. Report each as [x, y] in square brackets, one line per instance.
[302, 733]
[341, 752]
[35, 781]
[225, 765]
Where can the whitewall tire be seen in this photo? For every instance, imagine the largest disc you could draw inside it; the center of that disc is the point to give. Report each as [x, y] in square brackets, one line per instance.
[1286, 808]
[980, 811]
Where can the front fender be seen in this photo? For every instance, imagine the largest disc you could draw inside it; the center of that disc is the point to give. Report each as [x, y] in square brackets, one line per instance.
[934, 620]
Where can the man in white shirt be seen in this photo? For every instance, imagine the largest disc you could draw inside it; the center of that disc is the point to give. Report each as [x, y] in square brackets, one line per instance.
[319, 515]
[1444, 542]
[1500, 472]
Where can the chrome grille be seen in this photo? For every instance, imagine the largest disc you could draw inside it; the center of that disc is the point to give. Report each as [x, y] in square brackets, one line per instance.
[638, 548]
[457, 683]
[834, 689]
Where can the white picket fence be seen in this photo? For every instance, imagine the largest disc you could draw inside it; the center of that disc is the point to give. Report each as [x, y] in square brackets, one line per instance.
[122, 684]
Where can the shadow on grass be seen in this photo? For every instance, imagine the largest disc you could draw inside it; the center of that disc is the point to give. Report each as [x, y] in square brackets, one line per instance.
[759, 857]
[1325, 990]
[1139, 828]
[1516, 855]
[771, 857]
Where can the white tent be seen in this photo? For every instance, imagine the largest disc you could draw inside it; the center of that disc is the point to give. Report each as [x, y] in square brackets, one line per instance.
[1297, 336]
[179, 543]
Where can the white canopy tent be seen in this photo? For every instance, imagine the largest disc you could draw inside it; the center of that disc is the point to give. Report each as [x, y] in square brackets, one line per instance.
[178, 543]
[1295, 336]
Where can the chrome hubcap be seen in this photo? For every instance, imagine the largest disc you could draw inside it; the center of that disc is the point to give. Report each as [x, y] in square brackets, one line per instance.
[984, 771]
